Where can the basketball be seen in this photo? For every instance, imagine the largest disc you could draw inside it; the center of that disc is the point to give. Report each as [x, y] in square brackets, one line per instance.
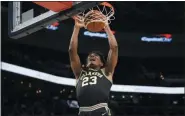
[95, 26]
[94, 21]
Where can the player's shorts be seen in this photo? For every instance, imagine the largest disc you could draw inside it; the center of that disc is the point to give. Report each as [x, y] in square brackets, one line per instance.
[95, 110]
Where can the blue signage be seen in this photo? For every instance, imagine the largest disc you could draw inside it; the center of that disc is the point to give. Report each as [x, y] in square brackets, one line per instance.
[92, 34]
[158, 38]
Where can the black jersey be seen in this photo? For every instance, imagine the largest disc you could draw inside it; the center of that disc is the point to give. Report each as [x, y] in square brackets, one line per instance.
[92, 87]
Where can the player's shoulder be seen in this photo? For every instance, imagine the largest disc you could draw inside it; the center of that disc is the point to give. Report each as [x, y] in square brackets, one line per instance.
[103, 71]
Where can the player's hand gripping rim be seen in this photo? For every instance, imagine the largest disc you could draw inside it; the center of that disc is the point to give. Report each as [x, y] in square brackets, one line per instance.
[78, 23]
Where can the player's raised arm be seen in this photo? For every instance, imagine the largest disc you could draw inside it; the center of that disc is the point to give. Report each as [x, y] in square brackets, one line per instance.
[113, 52]
[73, 47]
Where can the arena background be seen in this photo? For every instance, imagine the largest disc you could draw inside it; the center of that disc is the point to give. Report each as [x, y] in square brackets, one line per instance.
[140, 63]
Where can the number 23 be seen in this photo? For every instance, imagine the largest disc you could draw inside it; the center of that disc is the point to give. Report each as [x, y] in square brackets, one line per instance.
[86, 82]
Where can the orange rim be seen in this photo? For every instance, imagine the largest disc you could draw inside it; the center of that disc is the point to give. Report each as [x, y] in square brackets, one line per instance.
[107, 4]
[104, 4]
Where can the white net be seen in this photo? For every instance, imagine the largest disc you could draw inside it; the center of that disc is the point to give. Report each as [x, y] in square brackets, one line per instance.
[101, 13]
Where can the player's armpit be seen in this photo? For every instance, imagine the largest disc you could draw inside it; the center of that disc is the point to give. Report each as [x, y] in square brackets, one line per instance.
[75, 63]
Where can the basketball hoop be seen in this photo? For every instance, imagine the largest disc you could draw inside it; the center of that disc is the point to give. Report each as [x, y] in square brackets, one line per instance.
[95, 19]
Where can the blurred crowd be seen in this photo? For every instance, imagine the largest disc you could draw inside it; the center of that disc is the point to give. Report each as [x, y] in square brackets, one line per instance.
[40, 107]
[58, 107]
[130, 71]
[25, 96]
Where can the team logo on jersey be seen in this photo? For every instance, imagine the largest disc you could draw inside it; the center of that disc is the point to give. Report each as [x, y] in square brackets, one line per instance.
[89, 74]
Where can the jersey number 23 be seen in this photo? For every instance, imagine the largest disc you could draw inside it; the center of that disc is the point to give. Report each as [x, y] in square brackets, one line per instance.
[89, 80]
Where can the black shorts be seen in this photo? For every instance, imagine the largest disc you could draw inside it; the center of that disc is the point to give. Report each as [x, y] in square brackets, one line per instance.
[98, 112]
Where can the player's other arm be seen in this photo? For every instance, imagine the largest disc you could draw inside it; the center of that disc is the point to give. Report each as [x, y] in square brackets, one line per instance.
[73, 47]
[113, 52]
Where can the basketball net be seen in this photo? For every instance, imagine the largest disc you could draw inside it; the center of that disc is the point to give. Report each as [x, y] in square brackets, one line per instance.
[104, 9]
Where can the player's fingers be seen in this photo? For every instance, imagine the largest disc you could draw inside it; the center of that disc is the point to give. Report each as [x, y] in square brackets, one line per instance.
[75, 18]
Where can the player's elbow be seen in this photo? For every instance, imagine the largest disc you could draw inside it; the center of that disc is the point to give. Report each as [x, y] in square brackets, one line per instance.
[71, 49]
[114, 47]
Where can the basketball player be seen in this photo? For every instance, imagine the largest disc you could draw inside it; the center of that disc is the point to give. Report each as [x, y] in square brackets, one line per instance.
[95, 80]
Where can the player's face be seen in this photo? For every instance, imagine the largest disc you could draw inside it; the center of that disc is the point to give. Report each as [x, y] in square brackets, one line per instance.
[95, 60]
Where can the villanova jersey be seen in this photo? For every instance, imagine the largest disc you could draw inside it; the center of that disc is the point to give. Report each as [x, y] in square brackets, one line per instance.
[92, 87]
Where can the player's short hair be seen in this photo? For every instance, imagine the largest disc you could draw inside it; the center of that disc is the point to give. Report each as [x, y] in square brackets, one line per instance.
[100, 54]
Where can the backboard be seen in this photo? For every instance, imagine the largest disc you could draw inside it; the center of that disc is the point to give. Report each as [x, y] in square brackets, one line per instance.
[25, 17]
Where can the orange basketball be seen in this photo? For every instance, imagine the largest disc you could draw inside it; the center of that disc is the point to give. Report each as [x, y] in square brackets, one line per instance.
[95, 26]
[94, 21]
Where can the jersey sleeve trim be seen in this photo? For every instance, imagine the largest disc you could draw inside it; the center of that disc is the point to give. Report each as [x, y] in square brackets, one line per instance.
[79, 77]
[103, 72]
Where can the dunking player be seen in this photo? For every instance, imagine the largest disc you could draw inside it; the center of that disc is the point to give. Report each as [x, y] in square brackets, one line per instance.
[95, 80]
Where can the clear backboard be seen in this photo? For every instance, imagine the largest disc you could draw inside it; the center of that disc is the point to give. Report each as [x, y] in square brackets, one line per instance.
[26, 17]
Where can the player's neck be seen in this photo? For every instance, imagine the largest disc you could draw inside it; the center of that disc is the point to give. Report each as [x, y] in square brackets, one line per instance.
[95, 68]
